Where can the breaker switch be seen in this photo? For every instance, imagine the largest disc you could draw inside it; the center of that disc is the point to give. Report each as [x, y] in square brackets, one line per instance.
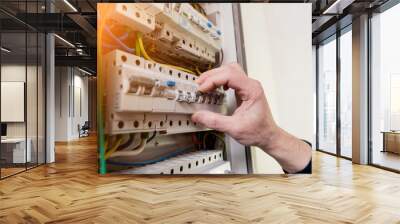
[171, 83]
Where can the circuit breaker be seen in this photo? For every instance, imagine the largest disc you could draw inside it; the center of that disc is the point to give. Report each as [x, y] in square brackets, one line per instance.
[152, 55]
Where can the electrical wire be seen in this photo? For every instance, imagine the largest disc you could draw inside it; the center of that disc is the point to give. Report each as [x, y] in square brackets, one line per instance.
[124, 36]
[123, 45]
[147, 57]
[137, 47]
[195, 140]
[147, 162]
[198, 71]
[217, 136]
[141, 47]
[100, 95]
[114, 148]
[220, 60]
[133, 152]
[127, 143]
[152, 137]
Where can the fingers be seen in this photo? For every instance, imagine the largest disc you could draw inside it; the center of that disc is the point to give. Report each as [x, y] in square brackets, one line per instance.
[229, 76]
[212, 120]
[208, 73]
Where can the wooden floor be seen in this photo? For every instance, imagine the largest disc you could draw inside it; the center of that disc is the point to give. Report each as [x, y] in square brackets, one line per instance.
[5, 172]
[70, 191]
[387, 159]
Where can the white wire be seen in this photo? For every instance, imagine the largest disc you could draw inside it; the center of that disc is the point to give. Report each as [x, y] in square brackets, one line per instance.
[126, 48]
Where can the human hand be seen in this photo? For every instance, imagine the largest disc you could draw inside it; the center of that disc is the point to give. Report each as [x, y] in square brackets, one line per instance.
[252, 122]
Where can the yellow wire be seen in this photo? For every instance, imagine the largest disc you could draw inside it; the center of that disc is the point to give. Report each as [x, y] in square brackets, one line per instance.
[114, 148]
[198, 71]
[137, 48]
[140, 41]
[147, 57]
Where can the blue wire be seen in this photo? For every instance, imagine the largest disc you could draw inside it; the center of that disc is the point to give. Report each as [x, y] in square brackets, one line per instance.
[147, 162]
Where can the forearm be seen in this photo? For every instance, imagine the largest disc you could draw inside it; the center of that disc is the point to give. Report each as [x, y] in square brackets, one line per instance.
[290, 152]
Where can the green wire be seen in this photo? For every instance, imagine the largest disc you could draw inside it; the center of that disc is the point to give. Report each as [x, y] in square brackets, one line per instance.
[100, 89]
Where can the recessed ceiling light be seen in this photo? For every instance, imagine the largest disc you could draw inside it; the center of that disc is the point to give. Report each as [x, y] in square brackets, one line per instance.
[84, 71]
[5, 50]
[65, 41]
[70, 5]
[337, 7]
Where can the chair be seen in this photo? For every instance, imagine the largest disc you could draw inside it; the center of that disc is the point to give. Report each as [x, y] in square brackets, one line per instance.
[84, 130]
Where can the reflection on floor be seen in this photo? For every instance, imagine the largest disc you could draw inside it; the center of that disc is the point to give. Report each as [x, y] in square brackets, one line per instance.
[387, 159]
[71, 191]
[347, 152]
[10, 171]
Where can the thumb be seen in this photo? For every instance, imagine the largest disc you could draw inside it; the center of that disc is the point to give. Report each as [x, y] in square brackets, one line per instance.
[212, 120]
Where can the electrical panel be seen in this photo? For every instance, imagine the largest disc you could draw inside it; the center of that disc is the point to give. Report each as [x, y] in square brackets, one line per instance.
[174, 30]
[205, 162]
[153, 54]
[166, 96]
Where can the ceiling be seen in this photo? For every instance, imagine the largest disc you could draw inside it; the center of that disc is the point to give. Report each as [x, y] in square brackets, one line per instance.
[332, 15]
[76, 23]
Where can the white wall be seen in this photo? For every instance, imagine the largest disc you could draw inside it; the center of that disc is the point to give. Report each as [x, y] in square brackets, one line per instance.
[314, 72]
[15, 72]
[33, 127]
[71, 93]
[62, 80]
[278, 53]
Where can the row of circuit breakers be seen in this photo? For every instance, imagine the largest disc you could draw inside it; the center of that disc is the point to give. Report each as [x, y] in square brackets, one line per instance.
[144, 95]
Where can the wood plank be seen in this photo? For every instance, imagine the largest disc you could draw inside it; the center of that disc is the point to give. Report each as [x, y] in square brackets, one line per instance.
[71, 191]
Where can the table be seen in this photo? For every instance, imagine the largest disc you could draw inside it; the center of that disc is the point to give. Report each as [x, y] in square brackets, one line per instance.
[391, 141]
[13, 150]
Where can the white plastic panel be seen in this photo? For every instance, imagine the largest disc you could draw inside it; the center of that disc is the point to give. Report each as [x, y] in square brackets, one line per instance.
[167, 96]
[176, 26]
[205, 162]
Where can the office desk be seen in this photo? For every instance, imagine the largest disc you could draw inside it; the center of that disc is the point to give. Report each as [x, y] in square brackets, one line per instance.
[13, 150]
[391, 142]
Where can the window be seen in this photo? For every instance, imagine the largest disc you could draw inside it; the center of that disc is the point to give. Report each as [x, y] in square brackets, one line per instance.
[385, 89]
[22, 75]
[346, 93]
[327, 96]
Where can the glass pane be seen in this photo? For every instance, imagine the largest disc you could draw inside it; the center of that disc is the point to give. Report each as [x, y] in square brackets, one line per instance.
[31, 97]
[13, 85]
[346, 93]
[327, 96]
[386, 89]
[41, 98]
[32, 87]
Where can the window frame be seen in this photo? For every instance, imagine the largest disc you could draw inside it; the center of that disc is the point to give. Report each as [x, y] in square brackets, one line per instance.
[334, 37]
[381, 9]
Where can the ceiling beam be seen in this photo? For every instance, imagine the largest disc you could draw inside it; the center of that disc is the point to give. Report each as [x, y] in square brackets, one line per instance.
[84, 24]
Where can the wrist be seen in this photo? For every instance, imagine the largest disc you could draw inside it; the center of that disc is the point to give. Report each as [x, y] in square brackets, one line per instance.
[271, 139]
[290, 152]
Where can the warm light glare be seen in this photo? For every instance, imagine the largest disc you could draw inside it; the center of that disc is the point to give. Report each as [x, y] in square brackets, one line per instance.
[70, 5]
[86, 72]
[64, 40]
[5, 50]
